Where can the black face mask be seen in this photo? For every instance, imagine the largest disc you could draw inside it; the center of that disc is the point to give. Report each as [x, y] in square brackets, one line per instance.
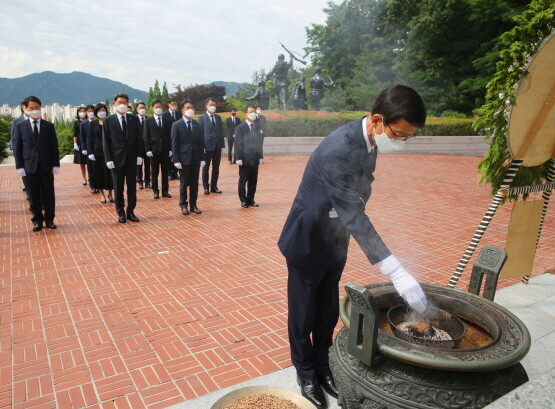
[233, 114]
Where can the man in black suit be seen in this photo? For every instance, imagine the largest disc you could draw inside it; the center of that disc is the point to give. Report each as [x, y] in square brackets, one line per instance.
[170, 116]
[211, 125]
[15, 121]
[328, 209]
[157, 136]
[232, 122]
[248, 152]
[188, 155]
[38, 160]
[141, 114]
[123, 151]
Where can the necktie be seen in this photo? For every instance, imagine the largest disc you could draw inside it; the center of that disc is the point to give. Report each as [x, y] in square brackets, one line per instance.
[159, 123]
[189, 127]
[124, 125]
[173, 115]
[142, 120]
[251, 127]
[212, 120]
[35, 131]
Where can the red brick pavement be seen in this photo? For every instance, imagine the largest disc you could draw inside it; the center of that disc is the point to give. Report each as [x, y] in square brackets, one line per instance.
[103, 315]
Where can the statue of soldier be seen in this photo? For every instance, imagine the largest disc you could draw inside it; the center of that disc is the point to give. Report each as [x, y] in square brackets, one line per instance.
[299, 94]
[281, 87]
[261, 96]
[317, 85]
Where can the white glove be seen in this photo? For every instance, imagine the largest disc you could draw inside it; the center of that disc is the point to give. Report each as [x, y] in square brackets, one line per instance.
[404, 283]
[75, 146]
[239, 162]
[223, 149]
[21, 172]
[55, 170]
[84, 152]
[261, 161]
[171, 154]
[110, 165]
[149, 154]
[91, 157]
[139, 161]
[202, 163]
[178, 165]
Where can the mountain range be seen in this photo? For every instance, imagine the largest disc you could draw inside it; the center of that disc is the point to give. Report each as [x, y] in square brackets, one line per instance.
[74, 88]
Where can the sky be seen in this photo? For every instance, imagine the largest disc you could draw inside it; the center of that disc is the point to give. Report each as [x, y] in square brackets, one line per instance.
[136, 42]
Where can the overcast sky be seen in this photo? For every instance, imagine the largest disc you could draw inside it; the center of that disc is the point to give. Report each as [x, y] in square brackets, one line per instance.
[136, 42]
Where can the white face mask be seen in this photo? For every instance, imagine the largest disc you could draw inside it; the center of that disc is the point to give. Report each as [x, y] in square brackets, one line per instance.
[258, 111]
[190, 113]
[211, 109]
[386, 144]
[141, 111]
[252, 116]
[101, 114]
[90, 115]
[158, 111]
[173, 108]
[34, 114]
[82, 114]
[122, 108]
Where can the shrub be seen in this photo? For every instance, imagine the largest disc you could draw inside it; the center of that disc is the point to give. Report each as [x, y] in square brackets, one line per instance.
[5, 133]
[64, 133]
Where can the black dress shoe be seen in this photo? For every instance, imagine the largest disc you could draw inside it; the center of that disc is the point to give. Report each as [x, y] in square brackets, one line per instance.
[216, 190]
[184, 211]
[156, 196]
[132, 217]
[121, 218]
[328, 383]
[313, 392]
[206, 191]
[253, 204]
[37, 227]
[166, 195]
[141, 185]
[51, 226]
[195, 210]
[148, 186]
[244, 204]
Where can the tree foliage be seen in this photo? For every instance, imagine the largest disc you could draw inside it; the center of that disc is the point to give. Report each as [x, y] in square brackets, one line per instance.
[199, 93]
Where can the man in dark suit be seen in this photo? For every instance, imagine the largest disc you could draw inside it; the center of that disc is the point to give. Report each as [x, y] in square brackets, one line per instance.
[211, 125]
[170, 116]
[15, 121]
[232, 122]
[123, 151]
[248, 152]
[188, 156]
[141, 114]
[84, 134]
[38, 160]
[328, 209]
[157, 136]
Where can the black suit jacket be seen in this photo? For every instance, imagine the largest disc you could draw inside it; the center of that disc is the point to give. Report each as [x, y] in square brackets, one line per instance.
[338, 175]
[231, 125]
[119, 148]
[167, 116]
[187, 149]
[213, 136]
[94, 140]
[157, 140]
[32, 155]
[248, 144]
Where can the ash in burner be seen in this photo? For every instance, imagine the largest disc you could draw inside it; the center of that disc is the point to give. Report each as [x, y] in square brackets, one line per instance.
[424, 330]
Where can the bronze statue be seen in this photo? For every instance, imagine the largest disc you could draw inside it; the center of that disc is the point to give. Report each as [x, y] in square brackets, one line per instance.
[317, 85]
[281, 86]
[299, 95]
[261, 96]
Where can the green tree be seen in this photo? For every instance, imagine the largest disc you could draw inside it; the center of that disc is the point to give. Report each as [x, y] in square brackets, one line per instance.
[165, 95]
[5, 133]
[150, 97]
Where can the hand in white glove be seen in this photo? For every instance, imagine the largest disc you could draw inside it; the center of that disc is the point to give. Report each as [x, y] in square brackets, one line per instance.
[404, 283]
[202, 163]
[139, 161]
[84, 152]
[75, 146]
[110, 165]
[239, 162]
[178, 165]
[261, 161]
[223, 149]
[21, 172]
[171, 154]
[149, 154]
[91, 157]
[55, 170]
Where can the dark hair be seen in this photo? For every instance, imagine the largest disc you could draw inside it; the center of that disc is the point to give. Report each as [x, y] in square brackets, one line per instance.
[139, 103]
[79, 110]
[232, 109]
[400, 102]
[156, 102]
[31, 98]
[98, 107]
[185, 101]
[24, 102]
[210, 99]
[250, 106]
[121, 96]
[172, 100]
[90, 106]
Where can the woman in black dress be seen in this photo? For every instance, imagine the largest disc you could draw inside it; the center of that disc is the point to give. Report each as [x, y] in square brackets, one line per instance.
[78, 157]
[102, 175]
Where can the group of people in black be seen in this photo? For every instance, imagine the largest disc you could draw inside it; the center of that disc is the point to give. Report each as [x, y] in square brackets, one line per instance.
[120, 151]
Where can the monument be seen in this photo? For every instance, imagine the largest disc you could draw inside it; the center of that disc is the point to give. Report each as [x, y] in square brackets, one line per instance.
[317, 85]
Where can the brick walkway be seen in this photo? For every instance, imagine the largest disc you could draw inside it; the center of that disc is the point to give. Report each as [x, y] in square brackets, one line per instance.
[99, 314]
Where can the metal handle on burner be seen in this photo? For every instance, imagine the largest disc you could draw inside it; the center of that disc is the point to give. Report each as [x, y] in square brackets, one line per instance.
[490, 261]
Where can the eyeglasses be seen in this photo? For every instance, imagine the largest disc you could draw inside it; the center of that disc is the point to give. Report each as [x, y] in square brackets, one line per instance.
[399, 138]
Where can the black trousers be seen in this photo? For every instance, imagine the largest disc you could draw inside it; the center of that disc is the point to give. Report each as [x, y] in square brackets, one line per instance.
[313, 303]
[248, 178]
[125, 175]
[146, 164]
[90, 173]
[41, 194]
[230, 142]
[189, 177]
[158, 162]
[211, 157]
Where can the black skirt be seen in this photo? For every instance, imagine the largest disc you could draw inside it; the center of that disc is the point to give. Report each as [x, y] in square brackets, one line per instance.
[79, 158]
[102, 175]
